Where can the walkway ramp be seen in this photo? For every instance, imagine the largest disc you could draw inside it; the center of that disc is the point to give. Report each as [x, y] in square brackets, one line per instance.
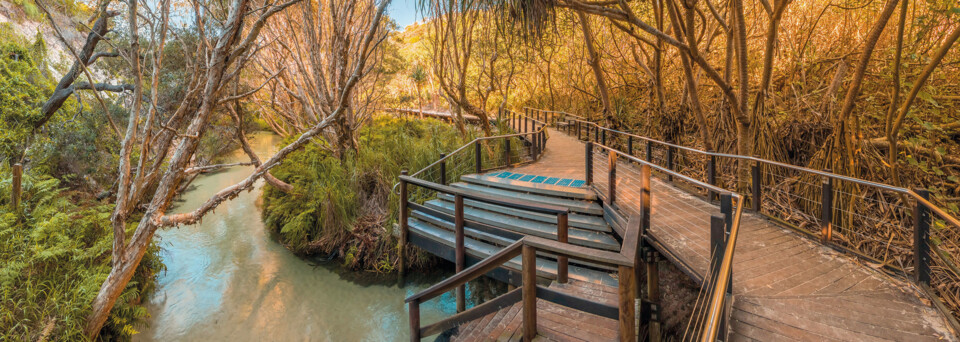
[786, 286]
[489, 227]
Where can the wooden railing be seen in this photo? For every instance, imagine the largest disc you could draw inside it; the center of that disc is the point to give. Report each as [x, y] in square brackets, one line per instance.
[709, 320]
[529, 291]
[832, 214]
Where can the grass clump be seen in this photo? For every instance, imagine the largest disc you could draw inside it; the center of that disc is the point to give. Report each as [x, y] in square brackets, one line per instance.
[347, 206]
[54, 255]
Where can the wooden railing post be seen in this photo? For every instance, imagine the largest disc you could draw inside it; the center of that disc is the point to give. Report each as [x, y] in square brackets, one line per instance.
[627, 287]
[712, 176]
[921, 239]
[562, 237]
[670, 162]
[477, 156]
[826, 210]
[649, 151]
[630, 145]
[443, 169]
[506, 150]
[757, 196]
[529, 292]
[726, 208]
[460, 250]
[404, 227]
[596, 133]
[579, 130]
[589, 162]
[526, 124]
[612, 178]
[414, 309]
[603, 133]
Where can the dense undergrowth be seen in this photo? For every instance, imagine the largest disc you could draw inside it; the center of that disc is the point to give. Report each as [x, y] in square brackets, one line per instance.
[347, 206]
[54, 255]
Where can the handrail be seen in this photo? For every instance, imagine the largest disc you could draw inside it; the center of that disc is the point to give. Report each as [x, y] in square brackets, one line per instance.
[540, 208]
[718, 295]
[724, 268]
[667, 170]
[761, 160]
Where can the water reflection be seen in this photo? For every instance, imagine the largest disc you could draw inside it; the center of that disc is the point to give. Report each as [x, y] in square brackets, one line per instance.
[228, 280]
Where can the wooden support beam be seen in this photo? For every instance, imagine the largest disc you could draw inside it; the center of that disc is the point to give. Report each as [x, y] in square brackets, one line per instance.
[627, 303]
[529, 261]
[414, 310]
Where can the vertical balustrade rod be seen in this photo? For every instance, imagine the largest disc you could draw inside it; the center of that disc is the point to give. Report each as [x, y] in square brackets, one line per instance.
[477, 156]
[596, 133]
[404, 227]
[414, 320]
[712, 176]
[443, 169]
[612, 178]
[562, 237]
[529, 292]
[630, 145]
[921, 239]
[757, 197]
[826, 210]
[589, 162]
[604, 136]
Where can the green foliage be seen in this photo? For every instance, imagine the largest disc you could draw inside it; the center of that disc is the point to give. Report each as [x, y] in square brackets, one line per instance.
[347, 206]
[54, 255]
[23, 88]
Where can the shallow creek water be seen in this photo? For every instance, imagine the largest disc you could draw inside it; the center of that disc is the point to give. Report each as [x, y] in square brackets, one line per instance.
[228, 280]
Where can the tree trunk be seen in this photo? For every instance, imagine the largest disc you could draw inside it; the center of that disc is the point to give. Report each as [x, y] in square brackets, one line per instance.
[594, 63]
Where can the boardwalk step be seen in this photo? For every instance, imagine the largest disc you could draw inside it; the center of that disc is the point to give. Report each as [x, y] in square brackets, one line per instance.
[545, 268]
[577, 236]
[586, 207]
[446, 223]
[581, 193]
[588, 222]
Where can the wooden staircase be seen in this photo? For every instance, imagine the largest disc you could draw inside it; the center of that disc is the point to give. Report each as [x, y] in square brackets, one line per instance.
[489, 227]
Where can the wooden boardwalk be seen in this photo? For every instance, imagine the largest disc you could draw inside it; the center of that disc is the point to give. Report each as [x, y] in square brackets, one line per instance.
[554, 322]
[785, 286]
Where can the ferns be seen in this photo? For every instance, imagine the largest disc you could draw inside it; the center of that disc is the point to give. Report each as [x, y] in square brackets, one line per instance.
[347, 206]
[54, 255]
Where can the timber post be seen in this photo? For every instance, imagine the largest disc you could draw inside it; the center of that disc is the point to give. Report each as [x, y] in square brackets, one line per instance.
[712, 177]
[443, 169]
[670, 162]
[756, 196]
[506, 151]
[826, 212]
[414, 320]
[460, 249]
[404, 227]
[612, 178]
[649, 151]
[529, 292]
[589, 162]
[921, 238]
[630, 145]
[562, 237]
[16, 187]
[477, 157]
[627, 286]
